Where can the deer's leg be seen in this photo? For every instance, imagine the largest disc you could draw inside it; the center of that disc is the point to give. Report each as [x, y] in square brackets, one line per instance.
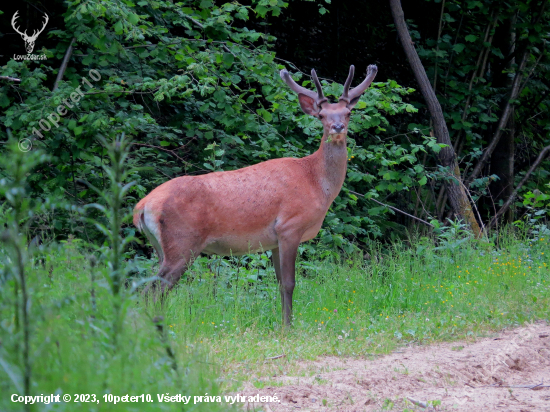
[288, 249]
[168, 274]
[277, 266]
[173, 266]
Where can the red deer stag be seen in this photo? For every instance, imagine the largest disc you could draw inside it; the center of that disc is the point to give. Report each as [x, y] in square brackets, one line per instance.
[274, 205]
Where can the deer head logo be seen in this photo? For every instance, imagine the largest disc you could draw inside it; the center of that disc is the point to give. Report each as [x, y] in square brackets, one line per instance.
[29, 40]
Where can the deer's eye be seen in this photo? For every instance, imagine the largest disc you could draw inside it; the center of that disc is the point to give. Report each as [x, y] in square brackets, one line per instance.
[321, 117]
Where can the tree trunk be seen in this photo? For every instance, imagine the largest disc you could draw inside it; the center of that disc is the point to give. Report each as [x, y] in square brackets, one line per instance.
[447, 158]
[502, 160]
[502, 165]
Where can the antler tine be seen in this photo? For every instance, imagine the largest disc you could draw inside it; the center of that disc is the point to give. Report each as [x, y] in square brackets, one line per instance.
[45, 23]
[359, 90]
[347, 84]
[15, 16]
[318, 97]
[37, 32]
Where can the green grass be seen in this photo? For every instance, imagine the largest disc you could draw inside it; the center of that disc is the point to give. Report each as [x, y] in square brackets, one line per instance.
[357, 307]
[73, 350]
[222, 321]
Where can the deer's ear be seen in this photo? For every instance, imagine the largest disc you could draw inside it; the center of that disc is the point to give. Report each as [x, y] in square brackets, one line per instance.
[353, 102]
[308, 105]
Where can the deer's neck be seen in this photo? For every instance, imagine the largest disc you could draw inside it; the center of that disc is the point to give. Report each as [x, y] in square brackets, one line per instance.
[332, 158]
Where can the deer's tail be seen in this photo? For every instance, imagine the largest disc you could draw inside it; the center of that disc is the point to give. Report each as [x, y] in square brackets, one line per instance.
[138, 215]
[146, 223]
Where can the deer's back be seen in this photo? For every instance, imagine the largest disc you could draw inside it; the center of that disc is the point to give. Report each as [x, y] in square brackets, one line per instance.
[242, 209]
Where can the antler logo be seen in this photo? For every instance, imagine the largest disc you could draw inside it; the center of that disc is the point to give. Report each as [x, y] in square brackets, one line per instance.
[29, 40]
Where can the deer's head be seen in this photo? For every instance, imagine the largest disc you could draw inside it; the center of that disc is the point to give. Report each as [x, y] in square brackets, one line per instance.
[334, 116]
[29, 40]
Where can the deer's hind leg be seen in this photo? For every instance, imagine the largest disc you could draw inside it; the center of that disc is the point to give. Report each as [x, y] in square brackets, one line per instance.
[177, 259]
[176, 250]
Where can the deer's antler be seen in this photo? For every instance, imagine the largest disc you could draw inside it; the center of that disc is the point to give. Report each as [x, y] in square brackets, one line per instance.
[319, 97]
[15, 16]
[24, 34]
[36, 33]
[348, 95]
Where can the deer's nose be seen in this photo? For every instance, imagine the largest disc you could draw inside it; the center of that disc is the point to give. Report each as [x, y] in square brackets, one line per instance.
[338, 127]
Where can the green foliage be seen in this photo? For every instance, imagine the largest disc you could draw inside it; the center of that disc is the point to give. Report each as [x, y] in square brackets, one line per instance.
[473, 63]
[63, 342]
[537, 206]
[115, 214]
[198, 92]
[14, 280]
[349, 306]
[71, 342]
[359, 305]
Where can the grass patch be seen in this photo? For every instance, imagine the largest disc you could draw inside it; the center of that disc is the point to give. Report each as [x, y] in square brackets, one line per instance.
[360, 308]
[222, 323]
[72, 350]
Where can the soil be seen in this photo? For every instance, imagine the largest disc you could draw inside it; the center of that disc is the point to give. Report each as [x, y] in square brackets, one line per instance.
[509, 371]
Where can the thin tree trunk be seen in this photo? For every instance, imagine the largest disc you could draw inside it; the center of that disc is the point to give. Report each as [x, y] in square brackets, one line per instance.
[441, 202]
[478, 72]
[437, 43]
[453, 53]
[64, 64]
[505, 116]
[457, 194]
[502, 160]
[418, 194]
[502, 165]
[510, 200]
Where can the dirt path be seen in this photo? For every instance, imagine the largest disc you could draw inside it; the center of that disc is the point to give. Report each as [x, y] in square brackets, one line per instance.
[477, 376]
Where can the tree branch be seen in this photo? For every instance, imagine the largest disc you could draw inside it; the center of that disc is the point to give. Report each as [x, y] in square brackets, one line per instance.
[506, 112]
[13, 79]
[182, 40]
[64, 64]
[172, 152]
[437, 42]
[510, 200]
[483, 54]
[393, 208]
[121, 91]
[201, 26]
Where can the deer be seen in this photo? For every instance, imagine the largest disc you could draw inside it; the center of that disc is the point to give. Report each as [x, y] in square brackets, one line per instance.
[274, 205]
[29, 40]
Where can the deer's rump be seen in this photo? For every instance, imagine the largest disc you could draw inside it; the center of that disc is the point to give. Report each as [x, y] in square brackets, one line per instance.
[233, 212]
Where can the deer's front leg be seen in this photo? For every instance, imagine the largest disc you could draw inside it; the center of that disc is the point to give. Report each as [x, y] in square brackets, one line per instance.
[288, 249]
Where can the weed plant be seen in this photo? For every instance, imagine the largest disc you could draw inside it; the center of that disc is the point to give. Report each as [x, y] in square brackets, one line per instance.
[70, 325]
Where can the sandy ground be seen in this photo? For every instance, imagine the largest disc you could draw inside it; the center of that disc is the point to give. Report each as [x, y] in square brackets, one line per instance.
[497, 373]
